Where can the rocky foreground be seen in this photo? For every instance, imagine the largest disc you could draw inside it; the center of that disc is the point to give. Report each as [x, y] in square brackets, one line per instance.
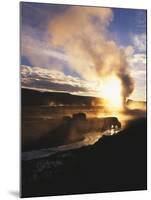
[114, 163]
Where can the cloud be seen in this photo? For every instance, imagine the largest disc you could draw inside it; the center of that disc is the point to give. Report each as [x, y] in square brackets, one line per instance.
[139, 42]
[39, 52]
[53, 80]
[137, 64]
[129, 50]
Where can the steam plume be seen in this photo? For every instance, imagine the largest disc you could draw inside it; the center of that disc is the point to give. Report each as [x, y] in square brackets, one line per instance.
[82, 32]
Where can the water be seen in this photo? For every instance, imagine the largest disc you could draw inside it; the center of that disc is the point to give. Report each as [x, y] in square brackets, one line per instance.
[39, 120]
[89, 139]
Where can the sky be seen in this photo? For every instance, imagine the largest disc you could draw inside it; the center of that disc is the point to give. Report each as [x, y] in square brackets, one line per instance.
[73, 49]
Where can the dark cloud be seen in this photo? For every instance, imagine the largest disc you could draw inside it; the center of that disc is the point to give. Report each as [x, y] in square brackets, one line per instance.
[52, 80]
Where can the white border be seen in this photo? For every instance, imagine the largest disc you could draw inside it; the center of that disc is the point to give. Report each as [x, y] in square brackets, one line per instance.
[9, 98]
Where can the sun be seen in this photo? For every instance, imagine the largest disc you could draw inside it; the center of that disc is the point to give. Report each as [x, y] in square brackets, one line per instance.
[111, 91]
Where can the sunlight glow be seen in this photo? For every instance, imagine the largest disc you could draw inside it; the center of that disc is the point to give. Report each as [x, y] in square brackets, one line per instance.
[111, 91]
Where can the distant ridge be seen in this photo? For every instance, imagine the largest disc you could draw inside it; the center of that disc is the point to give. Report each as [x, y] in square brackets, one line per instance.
[31, 97]
[136, 104]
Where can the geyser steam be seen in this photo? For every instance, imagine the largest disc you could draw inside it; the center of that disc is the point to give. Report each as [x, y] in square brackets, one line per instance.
[82, 32]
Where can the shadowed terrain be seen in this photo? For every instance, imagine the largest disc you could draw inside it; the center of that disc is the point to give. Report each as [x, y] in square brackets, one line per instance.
[114, 163]
[72, 129]
[33, 97]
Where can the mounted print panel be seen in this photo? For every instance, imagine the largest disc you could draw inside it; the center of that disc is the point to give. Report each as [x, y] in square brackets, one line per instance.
[83, 99]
